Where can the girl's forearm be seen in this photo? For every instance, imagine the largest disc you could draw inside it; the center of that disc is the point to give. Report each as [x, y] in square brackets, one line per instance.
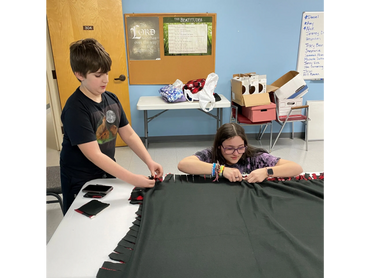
[286, 169]
[192, 165]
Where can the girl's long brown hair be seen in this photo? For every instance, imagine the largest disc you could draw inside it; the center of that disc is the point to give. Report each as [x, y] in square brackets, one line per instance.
[230, 130]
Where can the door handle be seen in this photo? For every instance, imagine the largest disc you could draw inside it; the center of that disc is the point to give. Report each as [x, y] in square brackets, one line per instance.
[121, 78]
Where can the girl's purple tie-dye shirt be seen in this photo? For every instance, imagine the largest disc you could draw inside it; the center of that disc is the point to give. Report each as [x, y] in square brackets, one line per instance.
[248, 165]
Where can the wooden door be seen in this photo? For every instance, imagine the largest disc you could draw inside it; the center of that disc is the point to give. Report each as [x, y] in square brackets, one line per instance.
[69, 21]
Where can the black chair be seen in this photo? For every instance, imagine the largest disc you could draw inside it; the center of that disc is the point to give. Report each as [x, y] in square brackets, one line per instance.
[53, 186]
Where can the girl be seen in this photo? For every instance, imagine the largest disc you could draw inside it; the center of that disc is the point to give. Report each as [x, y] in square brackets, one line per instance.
[231, 156]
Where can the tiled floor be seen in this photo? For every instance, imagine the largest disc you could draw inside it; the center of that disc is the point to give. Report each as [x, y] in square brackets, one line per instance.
[168, 154]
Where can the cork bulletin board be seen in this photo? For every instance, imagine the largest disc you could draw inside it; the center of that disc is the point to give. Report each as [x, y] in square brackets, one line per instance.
[164, 47]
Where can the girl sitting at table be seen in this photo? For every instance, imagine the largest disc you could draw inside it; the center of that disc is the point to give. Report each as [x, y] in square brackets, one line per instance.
[233, 158]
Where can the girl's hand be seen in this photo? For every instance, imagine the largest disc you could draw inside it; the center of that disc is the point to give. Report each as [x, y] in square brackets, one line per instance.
[258, 175]
[232, 174]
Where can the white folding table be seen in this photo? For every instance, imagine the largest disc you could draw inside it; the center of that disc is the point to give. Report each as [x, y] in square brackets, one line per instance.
[146, 103]
[80, 245]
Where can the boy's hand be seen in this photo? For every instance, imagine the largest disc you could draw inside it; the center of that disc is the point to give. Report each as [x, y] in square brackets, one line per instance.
[155, 169]
[232, 174]
[143, 182]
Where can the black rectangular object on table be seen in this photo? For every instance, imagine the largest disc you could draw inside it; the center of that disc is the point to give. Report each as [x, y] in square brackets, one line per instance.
[92, 208]
[99, 188]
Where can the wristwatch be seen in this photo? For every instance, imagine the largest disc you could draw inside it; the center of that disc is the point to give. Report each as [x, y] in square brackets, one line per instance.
[270, 172]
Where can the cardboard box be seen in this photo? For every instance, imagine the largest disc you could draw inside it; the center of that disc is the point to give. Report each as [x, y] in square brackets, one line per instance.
[244, 80]
[262, 82]
[252, 83]
[242, 91]
[291, 85]
[261, 113]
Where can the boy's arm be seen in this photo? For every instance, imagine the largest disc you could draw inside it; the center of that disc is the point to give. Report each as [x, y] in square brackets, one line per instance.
[133, 140]
[92, 152]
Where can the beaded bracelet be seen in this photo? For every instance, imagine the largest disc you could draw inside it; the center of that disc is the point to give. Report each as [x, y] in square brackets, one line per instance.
[221, 170]
[213, 169]
[216, 170]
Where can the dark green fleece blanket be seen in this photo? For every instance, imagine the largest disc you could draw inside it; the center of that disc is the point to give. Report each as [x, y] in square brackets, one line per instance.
[189, 226]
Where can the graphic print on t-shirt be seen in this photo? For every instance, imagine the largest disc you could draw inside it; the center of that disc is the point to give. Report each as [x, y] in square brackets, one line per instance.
[107, 129]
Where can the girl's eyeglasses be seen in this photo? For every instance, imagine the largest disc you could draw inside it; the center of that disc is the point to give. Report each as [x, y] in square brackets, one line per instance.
[231, 150]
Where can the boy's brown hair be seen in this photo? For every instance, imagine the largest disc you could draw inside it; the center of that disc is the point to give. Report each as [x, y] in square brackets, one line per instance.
[87, 56]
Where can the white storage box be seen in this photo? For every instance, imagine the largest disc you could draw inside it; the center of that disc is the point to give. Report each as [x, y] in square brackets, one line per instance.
[291, 85]
[286, 104]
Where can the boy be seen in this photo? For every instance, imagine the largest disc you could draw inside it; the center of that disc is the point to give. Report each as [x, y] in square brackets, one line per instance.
[91, 118]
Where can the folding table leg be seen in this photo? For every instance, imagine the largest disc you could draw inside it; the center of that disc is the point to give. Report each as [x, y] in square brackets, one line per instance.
[146, 128]
[218, 117]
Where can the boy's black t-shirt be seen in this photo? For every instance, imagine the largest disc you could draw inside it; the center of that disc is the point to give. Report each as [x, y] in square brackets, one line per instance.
[84, 121]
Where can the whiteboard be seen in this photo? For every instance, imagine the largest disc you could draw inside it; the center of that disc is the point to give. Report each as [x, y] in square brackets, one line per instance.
[310, 62]
[316, 123]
